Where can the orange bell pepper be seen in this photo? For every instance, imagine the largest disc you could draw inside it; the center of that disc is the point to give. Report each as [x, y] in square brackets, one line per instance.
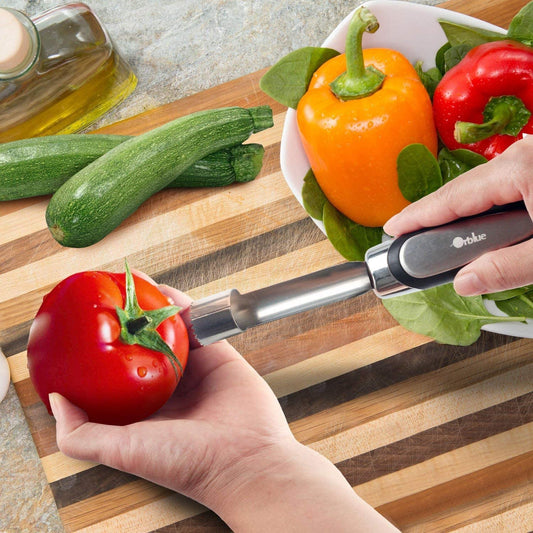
[360, 110]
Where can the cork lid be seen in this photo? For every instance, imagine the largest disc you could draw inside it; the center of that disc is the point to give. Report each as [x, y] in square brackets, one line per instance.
[15, 41]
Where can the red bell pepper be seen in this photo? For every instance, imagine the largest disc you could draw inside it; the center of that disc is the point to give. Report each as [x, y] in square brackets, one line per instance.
[485, 102]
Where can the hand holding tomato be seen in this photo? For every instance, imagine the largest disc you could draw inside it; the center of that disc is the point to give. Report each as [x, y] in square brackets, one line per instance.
[222, 439]
[110, 343]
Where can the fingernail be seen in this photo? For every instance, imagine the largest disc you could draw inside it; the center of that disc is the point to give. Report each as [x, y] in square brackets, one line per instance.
[468, 284]
[389, 224]
[54, 398]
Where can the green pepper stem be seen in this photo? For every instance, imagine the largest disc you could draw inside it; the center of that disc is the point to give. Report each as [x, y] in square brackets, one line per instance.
[358, 81]
[503, 115]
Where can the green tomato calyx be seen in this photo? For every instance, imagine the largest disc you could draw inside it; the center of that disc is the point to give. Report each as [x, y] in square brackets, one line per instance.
[138, 326]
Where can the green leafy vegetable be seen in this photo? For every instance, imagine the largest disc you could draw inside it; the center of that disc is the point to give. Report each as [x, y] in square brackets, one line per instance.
[518, 305]
[514, 301]
[313, 197]
[521, 27]
[459, 34]
[454, 55]
[429, 78]
[439, 57]
[287, 81]
[507, 295]
[442, 314]
[350, 239]
[455, 162]
[418, 172]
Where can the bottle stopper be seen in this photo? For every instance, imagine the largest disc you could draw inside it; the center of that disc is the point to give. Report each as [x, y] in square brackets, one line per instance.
[15, 42]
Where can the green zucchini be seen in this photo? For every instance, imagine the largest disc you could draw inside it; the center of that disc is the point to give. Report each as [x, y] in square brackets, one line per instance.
[101, 195]
[40, 165]
[238, 164]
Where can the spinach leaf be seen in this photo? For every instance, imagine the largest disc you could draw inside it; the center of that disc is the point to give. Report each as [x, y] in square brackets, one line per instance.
[454, 55]
[287, 81]
[418, 172]
[521, 304]
[453, 163]
[350, 239]
[312, 196]
[507, 295]
[442, 314]
[439, 57]
[459, 34]
[521, 27]
[429, 78]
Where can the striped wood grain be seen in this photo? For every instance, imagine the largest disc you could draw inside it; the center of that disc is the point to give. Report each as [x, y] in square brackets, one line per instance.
[438, 438]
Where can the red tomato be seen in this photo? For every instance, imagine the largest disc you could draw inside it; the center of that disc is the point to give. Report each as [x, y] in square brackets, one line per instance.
[75, 349]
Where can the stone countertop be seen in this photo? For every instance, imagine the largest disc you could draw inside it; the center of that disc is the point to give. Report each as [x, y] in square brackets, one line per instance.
[177, 48]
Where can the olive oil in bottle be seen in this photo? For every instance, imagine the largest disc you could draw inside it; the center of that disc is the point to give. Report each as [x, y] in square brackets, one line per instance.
[59, 72]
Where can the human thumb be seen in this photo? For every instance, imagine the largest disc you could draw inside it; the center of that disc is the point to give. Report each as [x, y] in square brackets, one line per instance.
[75, 435]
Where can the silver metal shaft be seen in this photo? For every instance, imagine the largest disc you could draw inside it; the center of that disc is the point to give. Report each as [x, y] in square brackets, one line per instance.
[229, 313]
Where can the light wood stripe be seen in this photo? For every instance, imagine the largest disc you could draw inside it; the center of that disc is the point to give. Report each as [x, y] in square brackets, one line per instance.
[58, 466]
[23, 222]
[342, 360]
[380, 491]
[18, 367]
[517, 520]
[414, 405]
[448, 466]
[500, 511]
[136, 496]
[125, 241]
[421, 416]
[320, 255]
[387, 412]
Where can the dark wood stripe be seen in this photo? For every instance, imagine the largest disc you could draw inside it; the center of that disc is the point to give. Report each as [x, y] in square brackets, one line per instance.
[14, 340]
[381, 374]
[365, 467]
[483, 487]
[438, 440]
[79, 487]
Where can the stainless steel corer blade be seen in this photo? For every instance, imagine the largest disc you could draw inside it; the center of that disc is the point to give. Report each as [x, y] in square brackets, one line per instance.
[414, 261]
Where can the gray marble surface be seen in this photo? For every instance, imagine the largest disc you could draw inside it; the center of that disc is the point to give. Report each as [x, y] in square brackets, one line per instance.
[177, 48]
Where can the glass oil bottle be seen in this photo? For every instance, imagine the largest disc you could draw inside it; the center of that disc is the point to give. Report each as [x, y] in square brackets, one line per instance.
[66, 75]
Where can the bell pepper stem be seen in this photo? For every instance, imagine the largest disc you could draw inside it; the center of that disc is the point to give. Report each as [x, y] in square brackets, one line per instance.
[503, 115]
[358, 81]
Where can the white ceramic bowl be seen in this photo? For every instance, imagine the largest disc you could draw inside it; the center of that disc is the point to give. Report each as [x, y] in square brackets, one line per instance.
[412, 29]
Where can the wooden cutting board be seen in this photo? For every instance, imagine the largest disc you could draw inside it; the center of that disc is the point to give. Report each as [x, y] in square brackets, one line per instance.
[436, 437]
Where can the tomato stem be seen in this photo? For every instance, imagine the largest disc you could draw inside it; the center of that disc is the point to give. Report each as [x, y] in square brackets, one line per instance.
[358, 81]
[140, 327]
[134, 325]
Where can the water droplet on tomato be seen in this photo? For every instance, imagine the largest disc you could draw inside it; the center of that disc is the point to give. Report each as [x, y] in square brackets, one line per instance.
[141, 371]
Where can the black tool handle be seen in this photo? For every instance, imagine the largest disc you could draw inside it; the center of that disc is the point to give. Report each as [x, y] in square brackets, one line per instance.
[432, 256]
